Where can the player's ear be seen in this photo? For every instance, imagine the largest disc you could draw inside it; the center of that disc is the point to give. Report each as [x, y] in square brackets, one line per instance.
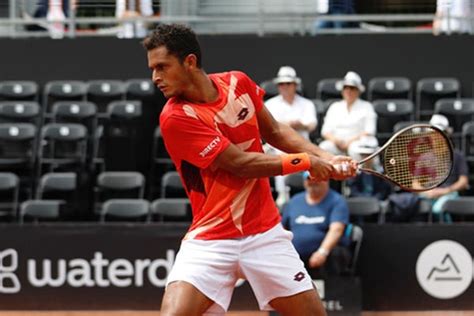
[191, 61]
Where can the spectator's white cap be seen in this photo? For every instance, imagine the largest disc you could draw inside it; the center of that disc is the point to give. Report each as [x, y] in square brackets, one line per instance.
[440, 121]
[286, 74]
[351, 79]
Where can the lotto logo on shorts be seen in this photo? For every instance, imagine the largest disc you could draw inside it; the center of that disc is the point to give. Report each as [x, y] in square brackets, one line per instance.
[299, 276]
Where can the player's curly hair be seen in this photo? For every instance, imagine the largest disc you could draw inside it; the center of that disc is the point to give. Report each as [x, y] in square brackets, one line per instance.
[178, 39]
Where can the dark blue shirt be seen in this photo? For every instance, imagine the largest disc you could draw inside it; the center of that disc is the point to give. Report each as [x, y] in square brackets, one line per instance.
[460, 168]
[310, 223]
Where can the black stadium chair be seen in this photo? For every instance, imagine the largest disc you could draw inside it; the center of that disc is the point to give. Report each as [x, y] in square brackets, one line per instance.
[18, 153]
[41, 210]
[430, 90]
[119, 184]
[9, 195]
[102, 92]
[389, 88]
[326, 89]
[270, 88]
[458, 112]
[295, 183]
[20, 112]
[390, 112]
[125, 210]
[63, 147]
[19, 90]
[122, 135]
[171, 186]
[171, 209]
[364, 209]
[62, 90]
[461, 208]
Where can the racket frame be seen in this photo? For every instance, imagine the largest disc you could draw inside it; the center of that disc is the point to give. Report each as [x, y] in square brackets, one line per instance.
[387, 143]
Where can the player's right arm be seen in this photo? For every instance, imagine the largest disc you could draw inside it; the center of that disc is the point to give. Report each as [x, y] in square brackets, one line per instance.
[257, 165]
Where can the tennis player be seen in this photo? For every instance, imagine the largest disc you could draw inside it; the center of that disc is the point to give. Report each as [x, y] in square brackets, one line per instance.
[212, 126]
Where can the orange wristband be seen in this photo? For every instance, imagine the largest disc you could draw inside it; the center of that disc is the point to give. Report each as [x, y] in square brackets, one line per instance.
[293, 163]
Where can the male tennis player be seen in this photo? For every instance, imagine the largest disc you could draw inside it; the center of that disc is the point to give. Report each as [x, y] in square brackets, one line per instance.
[212, 126]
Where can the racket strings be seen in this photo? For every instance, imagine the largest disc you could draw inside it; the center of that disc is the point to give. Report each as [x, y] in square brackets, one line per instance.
[419, 158]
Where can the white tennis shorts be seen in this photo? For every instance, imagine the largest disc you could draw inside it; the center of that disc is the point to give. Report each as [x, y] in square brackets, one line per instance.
[268, 261]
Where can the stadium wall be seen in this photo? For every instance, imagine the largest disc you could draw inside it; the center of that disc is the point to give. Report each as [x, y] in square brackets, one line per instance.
[315, 58]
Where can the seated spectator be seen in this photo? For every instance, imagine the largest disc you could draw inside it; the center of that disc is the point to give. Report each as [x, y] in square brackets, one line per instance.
[367, 184]
[292, 109]
[349, 123]
[289, 107]
[457, 181]
[318, 217]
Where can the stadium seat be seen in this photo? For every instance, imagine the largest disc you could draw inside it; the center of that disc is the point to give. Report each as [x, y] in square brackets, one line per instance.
[364, 209]
[139, 89]
[9, 195]
[60, 186]
[460, 209]
[389, 88]
[20, 112]
[295, 183]
[125, 209]
[321, 108]
[401, 125]
[80, 112]
[62, 90]
[18, 153]
[62, 147]
[467, 145]
[326, 89]
[102, 92]
[390, 112]
[430, 90]
[458, 112]
[171, 186]
[39, 210]
[356, 236]
[160, 164]
[271, 89]
[171, 210]
[18, 90]
[121, 135]
[117, 185]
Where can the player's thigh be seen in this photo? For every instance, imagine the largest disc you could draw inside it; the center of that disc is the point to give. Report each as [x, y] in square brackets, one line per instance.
[182, 298]
[305, 304]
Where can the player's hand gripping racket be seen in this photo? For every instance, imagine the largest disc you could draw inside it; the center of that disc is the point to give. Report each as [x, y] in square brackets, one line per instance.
[417, 158]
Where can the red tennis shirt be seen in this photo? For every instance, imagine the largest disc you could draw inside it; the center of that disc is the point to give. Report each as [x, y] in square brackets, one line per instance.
[224, 205]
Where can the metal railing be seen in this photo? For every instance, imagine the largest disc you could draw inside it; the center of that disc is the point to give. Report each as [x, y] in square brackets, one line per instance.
[261, 22]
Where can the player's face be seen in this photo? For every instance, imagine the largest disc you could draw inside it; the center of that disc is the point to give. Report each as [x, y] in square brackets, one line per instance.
[169, 74]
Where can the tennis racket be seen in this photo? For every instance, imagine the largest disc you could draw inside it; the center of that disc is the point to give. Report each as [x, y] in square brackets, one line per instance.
[416, 158]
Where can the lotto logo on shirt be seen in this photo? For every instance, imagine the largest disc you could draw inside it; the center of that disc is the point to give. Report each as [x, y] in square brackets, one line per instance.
[209, 147]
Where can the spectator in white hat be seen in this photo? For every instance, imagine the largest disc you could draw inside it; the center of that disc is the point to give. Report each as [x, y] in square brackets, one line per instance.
[292, 109]
[457, 181]
[351, 122]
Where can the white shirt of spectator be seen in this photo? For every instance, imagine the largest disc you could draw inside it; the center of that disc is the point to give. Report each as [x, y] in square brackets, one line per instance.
[301, 109]
[344, 124]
